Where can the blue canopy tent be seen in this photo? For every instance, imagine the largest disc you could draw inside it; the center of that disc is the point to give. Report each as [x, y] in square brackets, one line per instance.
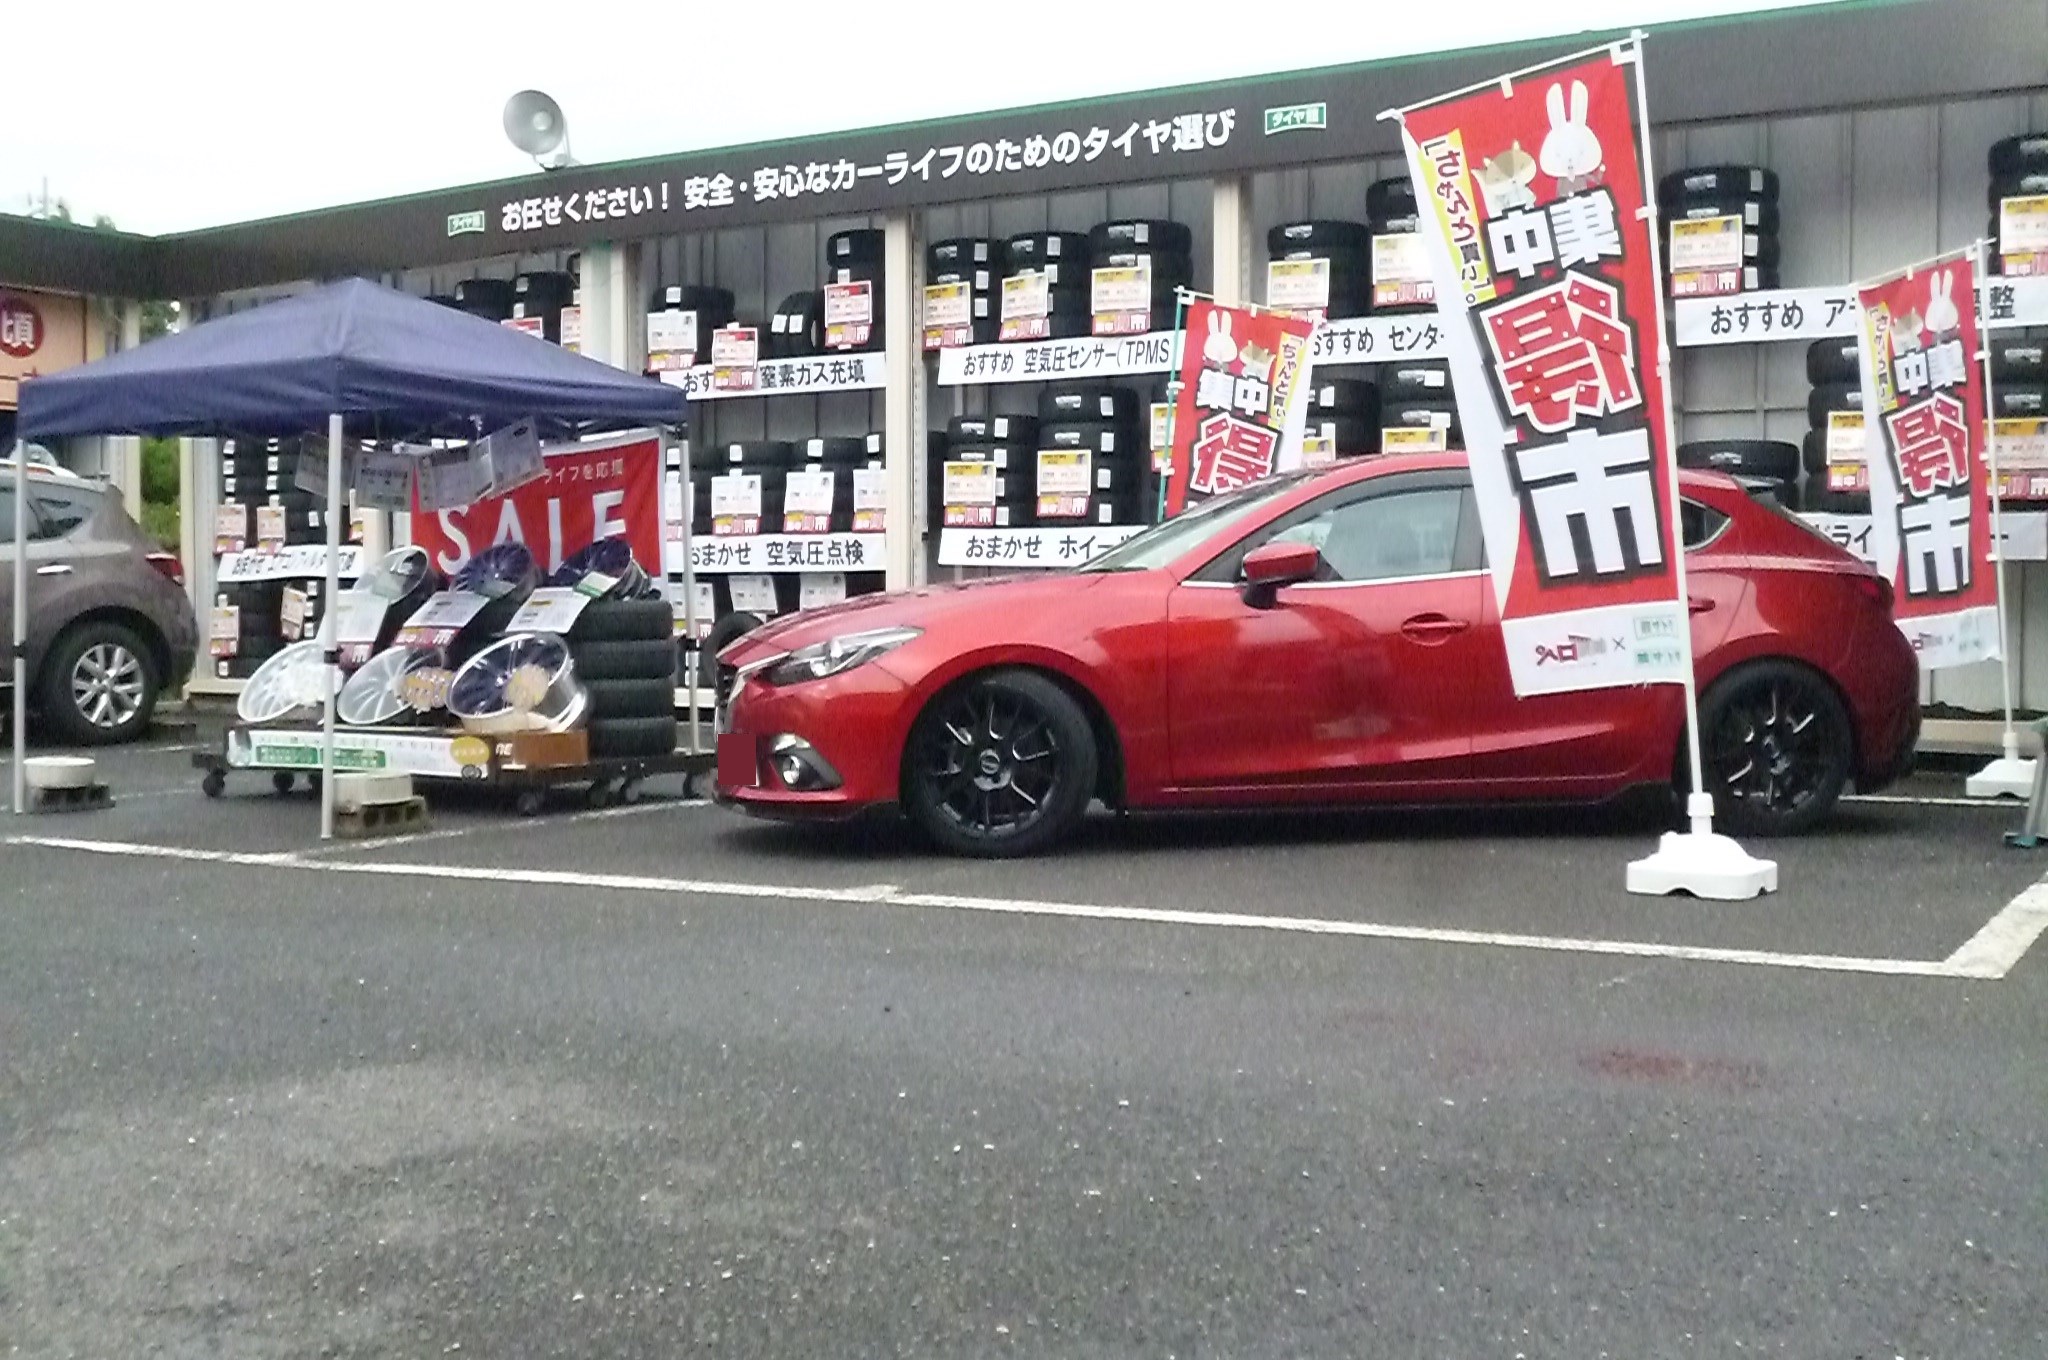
[362, 360]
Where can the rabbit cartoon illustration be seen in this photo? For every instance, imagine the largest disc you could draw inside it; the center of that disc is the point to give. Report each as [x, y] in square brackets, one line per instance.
[1504, 180]
[1219, 349]
[1906, 333]
[1942, 316]
[1571, 154]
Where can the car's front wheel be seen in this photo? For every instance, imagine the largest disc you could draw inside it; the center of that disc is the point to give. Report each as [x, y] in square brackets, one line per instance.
[1002, 764]
[1777, 747]
[99, 685]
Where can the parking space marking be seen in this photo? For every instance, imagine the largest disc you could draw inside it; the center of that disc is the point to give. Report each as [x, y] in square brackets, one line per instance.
[459, 832]
[1988, 955]
[1996, 804]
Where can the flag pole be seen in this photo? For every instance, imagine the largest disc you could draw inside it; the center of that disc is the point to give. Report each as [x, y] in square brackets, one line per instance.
[2009, 775]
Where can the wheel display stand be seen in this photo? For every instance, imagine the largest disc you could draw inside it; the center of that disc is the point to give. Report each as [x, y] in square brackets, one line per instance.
[524, 767]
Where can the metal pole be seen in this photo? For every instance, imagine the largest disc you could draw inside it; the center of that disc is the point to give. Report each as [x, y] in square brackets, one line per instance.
[20, 638]
[2012, 736]
[330, 652]
[1699, 807]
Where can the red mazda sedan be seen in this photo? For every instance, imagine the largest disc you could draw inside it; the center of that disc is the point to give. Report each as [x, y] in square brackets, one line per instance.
[1325, 637]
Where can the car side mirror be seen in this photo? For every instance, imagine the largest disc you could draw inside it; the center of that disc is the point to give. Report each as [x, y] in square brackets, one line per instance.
[1273, 565]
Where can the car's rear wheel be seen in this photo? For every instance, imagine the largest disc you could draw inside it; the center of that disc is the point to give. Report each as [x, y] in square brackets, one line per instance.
[1777, 747]
[1002, 764]
[99, 685]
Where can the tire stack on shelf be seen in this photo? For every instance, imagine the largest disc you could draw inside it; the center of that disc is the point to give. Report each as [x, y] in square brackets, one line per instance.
[769, 460]
[2019, 390]
[796, 329]
[856, 257]
[1744, 198]
[976, 264]
[1010, 443]
[713, 308]
[256, 478]
[1767, 468]
[2019, 169]
[1834, 440]
[1343, 419]
[1159, 247]
[1320, 268]
[1396, 250]
[256, 633]
[490, 299]
[1060, 258]
[543, 294]
[1093, 464]
[1416, 395]
[624, 652]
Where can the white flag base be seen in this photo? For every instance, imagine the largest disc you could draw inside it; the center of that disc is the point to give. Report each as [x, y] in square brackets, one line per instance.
[1705, 865]
[2005, 777]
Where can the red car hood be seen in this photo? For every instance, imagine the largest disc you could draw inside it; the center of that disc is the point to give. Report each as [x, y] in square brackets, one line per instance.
[907, 608]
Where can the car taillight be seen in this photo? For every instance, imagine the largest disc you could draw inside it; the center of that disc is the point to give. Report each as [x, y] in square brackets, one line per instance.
[168, 565]
[1876, 589]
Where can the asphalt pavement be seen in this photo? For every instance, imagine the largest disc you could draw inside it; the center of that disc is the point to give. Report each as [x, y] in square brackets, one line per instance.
[662, 1081]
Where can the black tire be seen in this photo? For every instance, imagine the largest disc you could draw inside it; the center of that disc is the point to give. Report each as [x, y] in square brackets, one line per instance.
[1758, 216]
[966, 796]
[1344, 397]
[615, 700]
[1827, 502]
[1319, 238]
[1776, 746]
[1829, 398]
[2019, 359]
[624, 621]
[757, 455]
[1069, 401]
[2018, 155]
[1140, 234]
[724, 632]
[836, 450]
[2020, 399]
[99, 684]
[1097, 436]
[1718, 181]
[1813, 453]
[1415, 381]
[1835, 359]
[2026, 184]
[597, 662]
[1008, 457]
[1419, 415]
[633, 738]
[1389, 198]
[1170, 268]
[863, 245]
[801, 318]
[966, 252]
[1351, 435]
[1764, 459]
[992, 429]
[1034, 250]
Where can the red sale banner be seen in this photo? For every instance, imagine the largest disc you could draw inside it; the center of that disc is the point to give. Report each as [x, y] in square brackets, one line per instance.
[1243, 400]
[1547, 282]
[1930, 488]
[592, 491]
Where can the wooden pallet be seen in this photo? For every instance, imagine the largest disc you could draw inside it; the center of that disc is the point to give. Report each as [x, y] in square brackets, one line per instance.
[381, 819]
[84, 798]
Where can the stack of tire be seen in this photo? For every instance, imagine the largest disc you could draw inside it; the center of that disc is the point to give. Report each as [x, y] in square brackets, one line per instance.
[796, 330]
[1417, 395]
[490, 299]
[2019, 389]
[1105, 424]
[544, 294]
[856, 257]
[1344, 249]
[978, 263]
[713, 306]
[1008, 442]
[1747, 192]
[624, 653]
[1390, 212]
[1062, 259]
[258, 631]
[838, 456]
[768, 459]
[1834, 368]
[1162, 248]
[1344, 413]
[1768, 468]
[2019, 169]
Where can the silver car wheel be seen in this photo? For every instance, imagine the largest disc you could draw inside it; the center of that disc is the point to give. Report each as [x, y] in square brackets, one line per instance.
[108, 685]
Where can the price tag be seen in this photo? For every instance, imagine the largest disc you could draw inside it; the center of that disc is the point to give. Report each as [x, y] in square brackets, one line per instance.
[1400, 271]
[671, 339]
[820, 588]
[735, 354]
[1121, 299]
[291, 613]
[870, 500]
[849, 314]
[383, 481]
[807, 502]
[1706, 256]
[572, 329]
[270, 527]
[2022, 442]
[753, 593]
[1063, 483]
[511, 457]
[736, 504]
[550, 609]
[224, 631]
[706, 606]
[1415, 439]
[970, 484]
[230, 529]
[1317, 451]
[1298, 285]
[948, 315]
[358, 618]
[1027, 302]
[441, 618]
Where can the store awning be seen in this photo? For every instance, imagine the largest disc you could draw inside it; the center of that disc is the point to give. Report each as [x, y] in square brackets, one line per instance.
[392, 365]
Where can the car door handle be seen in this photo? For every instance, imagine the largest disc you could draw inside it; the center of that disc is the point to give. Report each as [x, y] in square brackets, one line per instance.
[1432, 628]
[1698, 606]
[54, 569]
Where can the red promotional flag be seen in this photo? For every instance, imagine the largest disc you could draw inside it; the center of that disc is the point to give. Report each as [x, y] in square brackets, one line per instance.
[594, 490]
[1532, 194]
[1930, 490]
[1243, 399]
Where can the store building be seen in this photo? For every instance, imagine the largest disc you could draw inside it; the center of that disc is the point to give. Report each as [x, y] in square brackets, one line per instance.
[1875, 120]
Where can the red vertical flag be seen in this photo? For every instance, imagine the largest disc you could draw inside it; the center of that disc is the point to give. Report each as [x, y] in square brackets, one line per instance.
[1930, 490]
[1243, 394]
[1533, 199]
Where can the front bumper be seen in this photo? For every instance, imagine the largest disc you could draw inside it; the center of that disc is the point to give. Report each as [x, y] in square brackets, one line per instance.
[853, 722]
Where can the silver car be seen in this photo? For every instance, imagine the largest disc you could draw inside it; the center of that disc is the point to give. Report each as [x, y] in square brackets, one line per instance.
[110, 629]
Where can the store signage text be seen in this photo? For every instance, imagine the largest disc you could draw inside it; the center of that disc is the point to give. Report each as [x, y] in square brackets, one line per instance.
[786, 552]
[1297, 118]
[1029, 547]
[463, 223]
[21, 327]
[1041, 359]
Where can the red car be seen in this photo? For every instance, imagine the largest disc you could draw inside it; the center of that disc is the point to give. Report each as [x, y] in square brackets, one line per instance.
[1325, 637]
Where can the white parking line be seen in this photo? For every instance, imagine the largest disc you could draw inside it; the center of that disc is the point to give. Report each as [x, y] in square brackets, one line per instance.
[1995, 804]
[459, 832]
[1988, 955]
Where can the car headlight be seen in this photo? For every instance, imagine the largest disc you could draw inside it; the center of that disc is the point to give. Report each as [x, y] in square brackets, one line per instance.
[835, 655]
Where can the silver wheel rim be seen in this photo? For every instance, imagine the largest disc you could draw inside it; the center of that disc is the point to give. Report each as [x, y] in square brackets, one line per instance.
[107, 685]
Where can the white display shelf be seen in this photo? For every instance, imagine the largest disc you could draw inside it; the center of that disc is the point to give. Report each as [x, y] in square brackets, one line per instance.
[1378, 340]
[285, 564]
[1086, 356]
[713, 555]
[814, 376]
[2025, 533]
[1820, 313]
[1049, 547]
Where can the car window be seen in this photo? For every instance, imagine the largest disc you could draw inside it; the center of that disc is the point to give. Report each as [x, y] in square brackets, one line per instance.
[1162, 543]
[1379, 538]
[59, 510]
[1699, 524]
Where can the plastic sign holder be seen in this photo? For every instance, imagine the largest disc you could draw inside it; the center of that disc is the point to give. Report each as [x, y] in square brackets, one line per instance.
[1702, 862]
[2009, 776]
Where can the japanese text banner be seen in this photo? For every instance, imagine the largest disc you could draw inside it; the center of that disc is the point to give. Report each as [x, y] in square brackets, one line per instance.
[1930, 491]
[1243, 400]
[1532, 197]
[589, 491]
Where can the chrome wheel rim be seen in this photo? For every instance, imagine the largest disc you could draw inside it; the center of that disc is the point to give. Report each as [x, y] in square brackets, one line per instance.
[108, 685]
[1770, 749]
[992, 763]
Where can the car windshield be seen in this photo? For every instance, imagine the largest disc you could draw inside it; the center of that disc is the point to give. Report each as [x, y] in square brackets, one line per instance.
[1162, 543]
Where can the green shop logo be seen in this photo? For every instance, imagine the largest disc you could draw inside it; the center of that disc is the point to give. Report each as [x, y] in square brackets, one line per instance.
[1297, 118]
[461, 224]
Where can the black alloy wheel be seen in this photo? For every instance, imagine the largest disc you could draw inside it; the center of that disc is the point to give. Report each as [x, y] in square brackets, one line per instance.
[1001, 765]
[1777, 749]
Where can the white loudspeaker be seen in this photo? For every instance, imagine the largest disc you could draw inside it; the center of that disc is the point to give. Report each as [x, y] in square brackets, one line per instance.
[534, 123]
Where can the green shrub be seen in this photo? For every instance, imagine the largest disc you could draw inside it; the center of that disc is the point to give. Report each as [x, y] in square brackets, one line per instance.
[160, 471]
[160, 522]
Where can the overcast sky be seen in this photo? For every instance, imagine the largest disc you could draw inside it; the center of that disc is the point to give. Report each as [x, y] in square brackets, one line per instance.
[198, 112]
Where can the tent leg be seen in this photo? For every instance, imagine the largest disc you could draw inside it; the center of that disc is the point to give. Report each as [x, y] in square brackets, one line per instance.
[20, 638]
[330, 652]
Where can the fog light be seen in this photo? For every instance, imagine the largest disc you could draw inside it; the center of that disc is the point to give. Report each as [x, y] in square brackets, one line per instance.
[799, 766]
